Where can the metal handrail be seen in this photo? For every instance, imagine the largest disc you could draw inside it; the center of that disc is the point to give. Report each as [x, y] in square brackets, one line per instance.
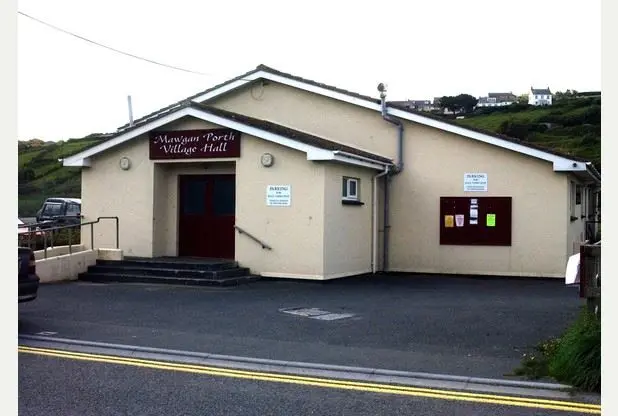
[70, 227]
[254, 238]
[50, 221]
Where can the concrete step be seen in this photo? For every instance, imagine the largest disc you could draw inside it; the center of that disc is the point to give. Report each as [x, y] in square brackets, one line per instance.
[188, 281]
[169, 271]
[173, 263]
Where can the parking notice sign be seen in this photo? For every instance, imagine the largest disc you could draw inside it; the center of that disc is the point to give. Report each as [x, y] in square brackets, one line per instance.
[475, 182]
[278, 195]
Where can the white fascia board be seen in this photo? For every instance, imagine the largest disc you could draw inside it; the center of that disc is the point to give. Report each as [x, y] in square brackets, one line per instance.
[76, 159]
[78, 163]
[566, 165]
[253, 131]
[559, 163]
[82, 159]
[357, 162]
[335, 156]
[228, 87]
[366, 159]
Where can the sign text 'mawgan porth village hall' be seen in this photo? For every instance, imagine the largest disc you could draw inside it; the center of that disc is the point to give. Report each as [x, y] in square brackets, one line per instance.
[194, 144]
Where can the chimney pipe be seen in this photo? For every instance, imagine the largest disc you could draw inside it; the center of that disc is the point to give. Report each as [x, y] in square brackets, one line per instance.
[130, 111]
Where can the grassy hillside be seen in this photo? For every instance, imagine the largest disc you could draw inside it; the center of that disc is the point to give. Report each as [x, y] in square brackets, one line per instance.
[571, 126]
[41, 175]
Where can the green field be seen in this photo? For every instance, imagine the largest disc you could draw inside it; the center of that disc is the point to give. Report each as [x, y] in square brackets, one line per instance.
[41, 174]
[572, 126]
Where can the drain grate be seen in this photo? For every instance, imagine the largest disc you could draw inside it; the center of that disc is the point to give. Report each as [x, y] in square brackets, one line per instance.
[315, 313]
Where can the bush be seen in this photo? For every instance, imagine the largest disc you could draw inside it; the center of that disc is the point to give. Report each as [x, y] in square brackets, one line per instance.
[574, 358]
[577, 359]
[59, 238]
[535, 365]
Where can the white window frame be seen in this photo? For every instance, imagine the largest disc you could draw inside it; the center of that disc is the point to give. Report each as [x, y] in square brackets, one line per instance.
[346, 189]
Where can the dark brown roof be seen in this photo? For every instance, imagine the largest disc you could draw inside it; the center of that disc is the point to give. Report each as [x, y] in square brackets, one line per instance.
[297, 135]
[360, 96]
[268, 126]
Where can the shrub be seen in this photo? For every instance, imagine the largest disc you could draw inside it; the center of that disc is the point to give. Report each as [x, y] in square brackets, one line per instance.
[59, 238]
[577, 359]
[535, 365]
[574, 358]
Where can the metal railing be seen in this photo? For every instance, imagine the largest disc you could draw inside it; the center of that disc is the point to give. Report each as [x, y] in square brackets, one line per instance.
[254, 238]
[49, 232]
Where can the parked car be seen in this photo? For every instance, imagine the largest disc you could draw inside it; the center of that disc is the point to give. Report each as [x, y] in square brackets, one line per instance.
[27, 277]
[57, 212]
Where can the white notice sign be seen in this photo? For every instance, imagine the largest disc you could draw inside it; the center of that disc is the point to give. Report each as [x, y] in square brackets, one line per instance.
[475, 182]
[278, 195]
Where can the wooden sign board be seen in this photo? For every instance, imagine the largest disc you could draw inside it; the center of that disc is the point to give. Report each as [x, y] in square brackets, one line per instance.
[194, 144]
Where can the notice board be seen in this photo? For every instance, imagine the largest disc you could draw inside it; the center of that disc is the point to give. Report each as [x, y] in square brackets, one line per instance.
[476, 221]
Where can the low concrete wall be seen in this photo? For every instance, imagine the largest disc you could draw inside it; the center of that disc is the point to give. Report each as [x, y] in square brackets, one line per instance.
[65, 267]
[110, 254]
[61, 266]
[58, 251]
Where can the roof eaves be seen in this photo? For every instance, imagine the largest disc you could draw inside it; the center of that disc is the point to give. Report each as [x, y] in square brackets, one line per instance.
[318, 84]
[267, 126]
[275, 128]
[492, 134]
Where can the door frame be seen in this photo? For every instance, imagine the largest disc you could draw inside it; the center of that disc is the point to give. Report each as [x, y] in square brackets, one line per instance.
[179, 180]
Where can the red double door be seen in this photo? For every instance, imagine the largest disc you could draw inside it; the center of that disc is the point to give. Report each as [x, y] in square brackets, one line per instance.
[207, 216]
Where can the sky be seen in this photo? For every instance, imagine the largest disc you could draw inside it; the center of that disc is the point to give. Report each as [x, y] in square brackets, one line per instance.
[69, 88]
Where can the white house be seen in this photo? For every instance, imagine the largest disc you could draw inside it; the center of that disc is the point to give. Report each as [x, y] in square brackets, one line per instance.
[540, 96]
[497, 99]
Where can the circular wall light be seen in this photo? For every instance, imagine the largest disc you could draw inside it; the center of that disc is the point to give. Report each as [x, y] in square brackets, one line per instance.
[267, 160]
[125, 163]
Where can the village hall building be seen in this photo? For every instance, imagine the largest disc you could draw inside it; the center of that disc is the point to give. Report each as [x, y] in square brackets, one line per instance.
[297, 179]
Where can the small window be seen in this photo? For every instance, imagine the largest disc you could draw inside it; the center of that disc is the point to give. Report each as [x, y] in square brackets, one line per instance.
[578, 195]
[52, 209]
[350, 189]
[73, 210]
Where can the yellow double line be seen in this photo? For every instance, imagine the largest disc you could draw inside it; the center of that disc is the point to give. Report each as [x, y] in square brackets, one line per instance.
[324, 382]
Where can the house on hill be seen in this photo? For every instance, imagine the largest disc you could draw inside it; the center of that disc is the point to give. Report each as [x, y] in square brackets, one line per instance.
[540, 96]
[294, 178]
[497, 99]
[420, 105]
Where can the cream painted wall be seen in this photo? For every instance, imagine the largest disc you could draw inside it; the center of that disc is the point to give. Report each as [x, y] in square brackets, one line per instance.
[347, 228]
[301, 237]
[108, 190]
[322, 116]
[435, 162]
[146, 197]
[160, 210]
[295, 233]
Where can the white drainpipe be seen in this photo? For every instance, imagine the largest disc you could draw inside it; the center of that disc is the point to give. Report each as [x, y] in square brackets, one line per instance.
[374, 210]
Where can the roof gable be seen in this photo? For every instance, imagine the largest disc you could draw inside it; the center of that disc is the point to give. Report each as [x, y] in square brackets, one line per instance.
[540, 91]
[316, 148]
[560, 161]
